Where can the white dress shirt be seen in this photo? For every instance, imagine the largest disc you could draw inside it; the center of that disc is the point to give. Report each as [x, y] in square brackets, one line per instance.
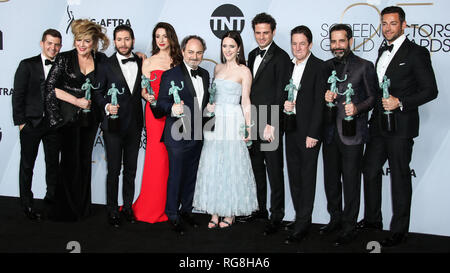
[129, 70]
[46, 67]
[386, 57]
[197, 82]
[297, 74]
[258, 59]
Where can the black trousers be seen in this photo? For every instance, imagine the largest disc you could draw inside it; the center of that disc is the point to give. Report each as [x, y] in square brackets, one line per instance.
[30, 139]
[183, 166]
[302, 170]
[121, 148]
[342, 166]
[272, 162]
[398, 152]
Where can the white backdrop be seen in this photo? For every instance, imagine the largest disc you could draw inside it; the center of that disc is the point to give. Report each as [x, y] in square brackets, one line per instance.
[23, 22]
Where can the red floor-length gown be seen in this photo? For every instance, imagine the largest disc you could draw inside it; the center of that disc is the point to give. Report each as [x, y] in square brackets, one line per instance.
[150, 205]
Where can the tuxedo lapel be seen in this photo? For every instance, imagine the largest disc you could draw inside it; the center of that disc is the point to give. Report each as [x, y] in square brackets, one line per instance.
[115, 66]
[265, 60]
[187, 80]
[398, 57]
[137, 82]
[205, 80]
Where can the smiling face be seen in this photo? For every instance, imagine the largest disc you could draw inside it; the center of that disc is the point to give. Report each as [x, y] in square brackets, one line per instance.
[230, 49]
[339, 43]
[124, 43]
[263, 34]
[51, 46]
[162, 41]
[300, 46]
[392, 27]
[193, 53]
[84, 45]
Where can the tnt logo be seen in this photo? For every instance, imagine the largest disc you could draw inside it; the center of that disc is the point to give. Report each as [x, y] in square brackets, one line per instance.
[225, 18]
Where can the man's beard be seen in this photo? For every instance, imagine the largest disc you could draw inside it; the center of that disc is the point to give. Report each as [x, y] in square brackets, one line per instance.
[340, 54]
[126, 53]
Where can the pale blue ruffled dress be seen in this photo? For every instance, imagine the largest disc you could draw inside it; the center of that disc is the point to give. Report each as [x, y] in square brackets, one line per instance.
[225, 181]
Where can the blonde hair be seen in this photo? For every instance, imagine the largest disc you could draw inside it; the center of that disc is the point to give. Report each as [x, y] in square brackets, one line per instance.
[85, 28]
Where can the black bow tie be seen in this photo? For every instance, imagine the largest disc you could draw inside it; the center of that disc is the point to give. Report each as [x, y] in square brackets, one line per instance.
[132, 59]
[260, 52]
[194, 73]
[48, 62]
[384, 48]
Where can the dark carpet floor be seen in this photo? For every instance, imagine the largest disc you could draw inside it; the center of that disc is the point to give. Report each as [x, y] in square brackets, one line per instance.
[94, 235]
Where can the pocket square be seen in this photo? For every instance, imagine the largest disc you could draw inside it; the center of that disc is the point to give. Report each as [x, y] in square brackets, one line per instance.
[401, 64]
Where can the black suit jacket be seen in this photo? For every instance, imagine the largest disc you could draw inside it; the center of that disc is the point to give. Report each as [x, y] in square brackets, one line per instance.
[309, 102]
[194, 119]
[413, 83]
[361, 74]
[269, 82]
[130, 103]
[28, 96]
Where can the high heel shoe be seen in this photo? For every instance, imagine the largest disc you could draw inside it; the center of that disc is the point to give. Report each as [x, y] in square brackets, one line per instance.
[212, 224]
[226, 223]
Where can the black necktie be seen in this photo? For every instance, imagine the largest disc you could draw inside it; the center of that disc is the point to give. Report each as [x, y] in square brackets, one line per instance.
[260, 52]
[132, 59]
[48, 62]
[194, 73]
[384, 48]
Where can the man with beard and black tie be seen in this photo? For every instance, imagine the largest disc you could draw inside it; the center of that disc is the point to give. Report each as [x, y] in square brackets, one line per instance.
[183, 135]
[123, 69]
[303, 139]
[270, 67]
[28, 114]
[412, 84]
[342, 149]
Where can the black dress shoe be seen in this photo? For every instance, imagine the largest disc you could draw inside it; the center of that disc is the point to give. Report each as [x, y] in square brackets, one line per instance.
[177, 226]
[295, 238]
[331, 227]
[394, 240]
[272, 227]
[363, 224]
[345, 238]
[289, 226]
[129, 215]
[31, 214]
[114, 220]
[189, 218]
[257, 215]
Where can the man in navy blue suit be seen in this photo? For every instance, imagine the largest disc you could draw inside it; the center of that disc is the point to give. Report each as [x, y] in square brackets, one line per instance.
[183, 135]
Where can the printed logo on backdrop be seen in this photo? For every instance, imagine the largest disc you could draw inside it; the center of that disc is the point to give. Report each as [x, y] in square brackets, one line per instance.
[225, 18]
[104, 22]
[1, 134]
[434, 36]
[1, 40]
[365, 29]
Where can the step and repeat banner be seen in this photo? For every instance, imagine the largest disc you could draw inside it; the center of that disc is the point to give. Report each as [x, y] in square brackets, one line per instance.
[23, 22]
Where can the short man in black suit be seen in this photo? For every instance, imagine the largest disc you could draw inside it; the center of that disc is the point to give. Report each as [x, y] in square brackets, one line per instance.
[28, 114]
[124, 70]
[303, 139]
[270, 67]
[342, 155]
[183, 136]
[408, 67]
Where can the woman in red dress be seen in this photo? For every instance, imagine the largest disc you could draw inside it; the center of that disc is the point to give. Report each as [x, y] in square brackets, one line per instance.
[166, 53]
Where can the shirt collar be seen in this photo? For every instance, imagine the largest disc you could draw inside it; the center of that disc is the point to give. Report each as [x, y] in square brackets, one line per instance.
[45, 58]
[120, 57]
[294, 60]
[398, 42]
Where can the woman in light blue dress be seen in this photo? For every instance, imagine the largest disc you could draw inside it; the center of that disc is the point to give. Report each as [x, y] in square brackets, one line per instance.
[225, 185]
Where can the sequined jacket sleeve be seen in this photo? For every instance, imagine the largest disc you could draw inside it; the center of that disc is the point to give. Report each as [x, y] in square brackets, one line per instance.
[52, 103]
